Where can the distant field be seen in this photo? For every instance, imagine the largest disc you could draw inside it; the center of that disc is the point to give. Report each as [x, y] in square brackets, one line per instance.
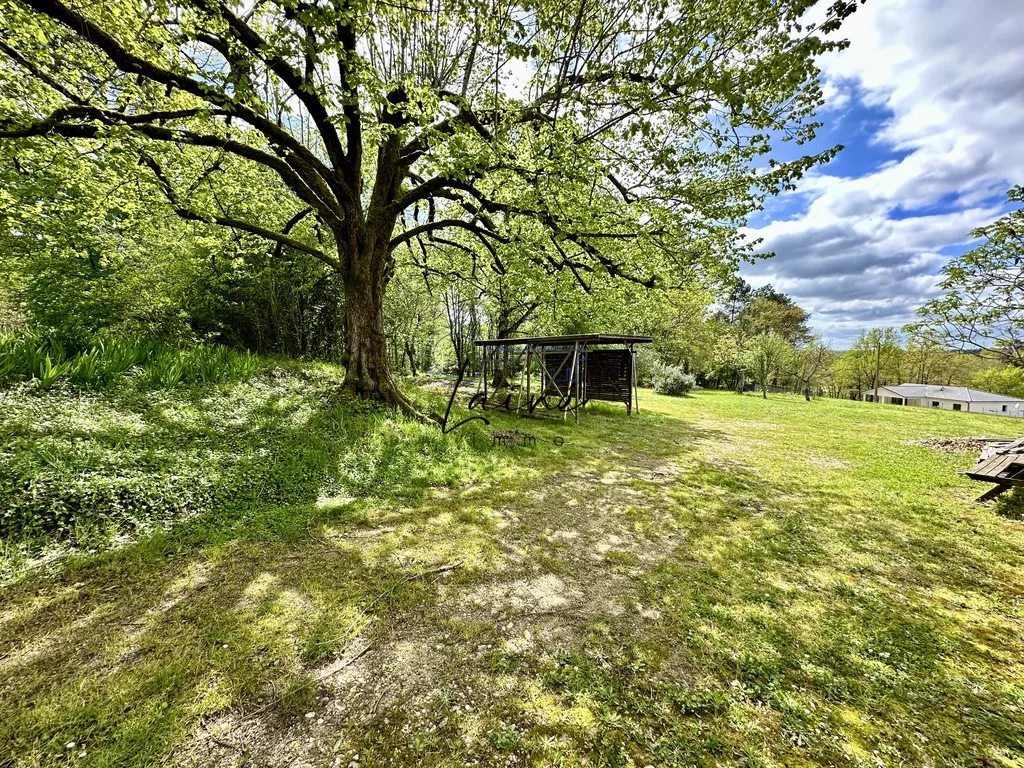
[283, 577]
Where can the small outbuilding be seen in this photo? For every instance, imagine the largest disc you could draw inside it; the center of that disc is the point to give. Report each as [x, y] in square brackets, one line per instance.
[563, 373]
[946, 398]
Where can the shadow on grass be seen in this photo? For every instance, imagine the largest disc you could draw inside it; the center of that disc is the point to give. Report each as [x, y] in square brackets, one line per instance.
[322, 517]
[791, 625]
[620, 599]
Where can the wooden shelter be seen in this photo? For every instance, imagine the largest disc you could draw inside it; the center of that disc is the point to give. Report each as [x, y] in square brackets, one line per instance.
[561, 373]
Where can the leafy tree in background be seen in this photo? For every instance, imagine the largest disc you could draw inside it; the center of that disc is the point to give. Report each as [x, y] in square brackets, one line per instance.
[927, 360]
[772, 312]
[749, 312]
[878, 357]
[88, 248]
[1006, 380]
[810, 364]
[727, 359]
[765, 357]
[388, 124]
[753, 311]
[78, 254]
[983, 305]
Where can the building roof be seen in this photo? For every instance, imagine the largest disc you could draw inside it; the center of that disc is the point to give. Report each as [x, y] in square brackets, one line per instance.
[552, 341]
[938, 392]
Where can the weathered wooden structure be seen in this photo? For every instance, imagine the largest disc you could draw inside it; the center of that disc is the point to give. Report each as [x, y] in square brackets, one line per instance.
[561, 373]
[1001, 462]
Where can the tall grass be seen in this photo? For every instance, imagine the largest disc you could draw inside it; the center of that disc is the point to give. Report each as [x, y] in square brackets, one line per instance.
[28, 357]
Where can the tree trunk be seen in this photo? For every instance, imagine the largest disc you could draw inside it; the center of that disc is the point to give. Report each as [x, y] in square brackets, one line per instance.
[500, 378]
[410, 352]
[367, 368]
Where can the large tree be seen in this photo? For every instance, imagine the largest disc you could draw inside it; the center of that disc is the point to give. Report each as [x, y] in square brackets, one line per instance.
[983, 305]
[399, 123]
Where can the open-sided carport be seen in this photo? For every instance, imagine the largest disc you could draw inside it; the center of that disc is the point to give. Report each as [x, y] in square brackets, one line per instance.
[561, 373]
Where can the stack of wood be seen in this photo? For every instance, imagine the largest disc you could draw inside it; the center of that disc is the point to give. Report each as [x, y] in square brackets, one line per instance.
[1001, 462]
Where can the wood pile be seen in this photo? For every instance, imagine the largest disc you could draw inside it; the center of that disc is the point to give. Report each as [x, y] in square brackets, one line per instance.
[1000, 448]
[955, 444]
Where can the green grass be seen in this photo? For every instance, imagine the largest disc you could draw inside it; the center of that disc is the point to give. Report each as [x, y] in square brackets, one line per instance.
[720, 580]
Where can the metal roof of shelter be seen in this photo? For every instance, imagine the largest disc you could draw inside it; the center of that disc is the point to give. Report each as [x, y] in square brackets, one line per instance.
[577, 338]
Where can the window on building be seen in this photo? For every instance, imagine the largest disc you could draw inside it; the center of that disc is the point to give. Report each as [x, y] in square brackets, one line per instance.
[935, 403]
[897, 401]
[1004, 409]
[956, 406]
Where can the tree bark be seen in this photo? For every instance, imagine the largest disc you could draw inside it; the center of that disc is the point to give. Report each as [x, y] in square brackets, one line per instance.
[410, 352]
[367, 368]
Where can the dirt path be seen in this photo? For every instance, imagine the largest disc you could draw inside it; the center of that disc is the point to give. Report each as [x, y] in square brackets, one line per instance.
[566, 553]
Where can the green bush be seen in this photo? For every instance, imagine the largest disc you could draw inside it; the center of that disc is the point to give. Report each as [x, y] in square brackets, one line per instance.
[648, 365]
[80, 467]
[672, 381]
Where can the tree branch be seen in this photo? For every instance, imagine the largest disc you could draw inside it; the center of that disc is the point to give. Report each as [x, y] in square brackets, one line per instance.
[54, 124]
[434, 226]
[131, 63]
[300, 85]
[233, 223]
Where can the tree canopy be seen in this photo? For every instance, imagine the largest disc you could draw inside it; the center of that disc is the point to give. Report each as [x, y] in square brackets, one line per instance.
[631, 139]
[983, 305]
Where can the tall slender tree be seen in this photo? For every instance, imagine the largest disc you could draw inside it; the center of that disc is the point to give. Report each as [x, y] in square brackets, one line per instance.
[393, 124]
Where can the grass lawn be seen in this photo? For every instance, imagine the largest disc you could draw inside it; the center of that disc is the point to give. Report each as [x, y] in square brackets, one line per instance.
[719, 580]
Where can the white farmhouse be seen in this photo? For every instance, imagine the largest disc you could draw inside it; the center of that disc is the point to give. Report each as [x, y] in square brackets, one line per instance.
[948, 398]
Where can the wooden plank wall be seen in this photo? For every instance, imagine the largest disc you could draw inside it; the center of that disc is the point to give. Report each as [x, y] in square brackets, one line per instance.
[608, 374]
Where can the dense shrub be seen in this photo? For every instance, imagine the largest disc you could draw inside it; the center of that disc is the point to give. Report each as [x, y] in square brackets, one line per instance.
[672, 381]
[81, 467]
[648, 365]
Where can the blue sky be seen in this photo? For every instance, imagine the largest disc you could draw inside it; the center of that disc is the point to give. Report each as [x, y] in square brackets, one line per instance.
[929, 103]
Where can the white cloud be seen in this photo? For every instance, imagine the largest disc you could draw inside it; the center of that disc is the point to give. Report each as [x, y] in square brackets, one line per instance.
[950, 74]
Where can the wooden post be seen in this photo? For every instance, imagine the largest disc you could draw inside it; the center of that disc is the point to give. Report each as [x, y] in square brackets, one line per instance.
[636, 390]
[482, 383]
[529, 376]
[576, 366]
[878, 365]
[572, 369]
[483, 367]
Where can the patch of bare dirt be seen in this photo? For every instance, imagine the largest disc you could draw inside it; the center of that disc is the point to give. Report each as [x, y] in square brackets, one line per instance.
[954, 444]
